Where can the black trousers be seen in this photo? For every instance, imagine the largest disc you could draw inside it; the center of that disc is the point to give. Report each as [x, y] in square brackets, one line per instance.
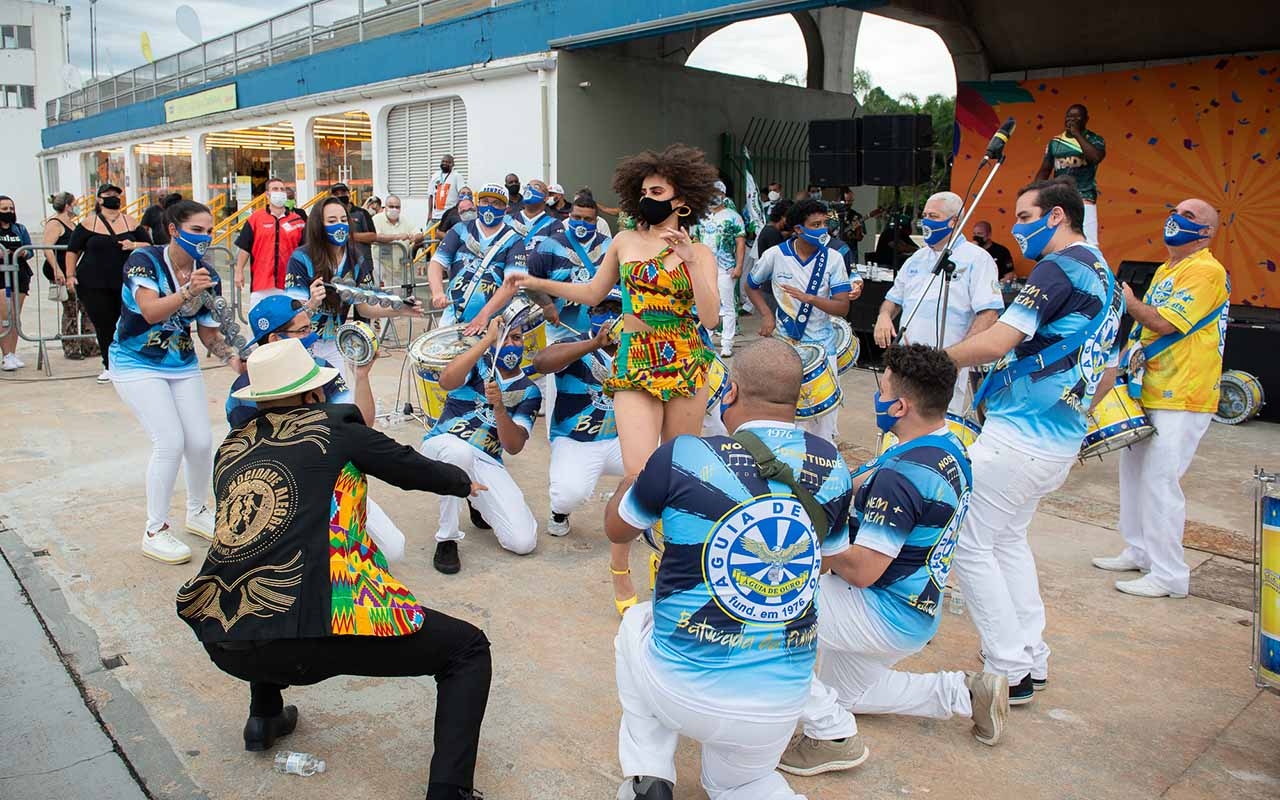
[454, 652]
[103, 308]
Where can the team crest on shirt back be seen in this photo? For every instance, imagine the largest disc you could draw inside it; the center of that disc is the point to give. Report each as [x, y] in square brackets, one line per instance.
[762, 560]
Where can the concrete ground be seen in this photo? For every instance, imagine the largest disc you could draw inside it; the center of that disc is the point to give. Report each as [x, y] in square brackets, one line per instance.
[1146, 699]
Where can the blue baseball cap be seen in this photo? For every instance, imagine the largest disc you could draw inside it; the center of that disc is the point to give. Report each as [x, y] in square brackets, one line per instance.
[272, 313]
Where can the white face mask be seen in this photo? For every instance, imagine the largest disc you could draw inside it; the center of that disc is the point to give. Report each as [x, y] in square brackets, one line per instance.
[774, 197]
[393, 214]
[277, 199]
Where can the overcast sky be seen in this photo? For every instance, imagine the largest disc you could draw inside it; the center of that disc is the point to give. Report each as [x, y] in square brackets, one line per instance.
[900, 57]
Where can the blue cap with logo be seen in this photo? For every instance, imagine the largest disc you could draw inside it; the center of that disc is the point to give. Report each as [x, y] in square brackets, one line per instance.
[272, 313]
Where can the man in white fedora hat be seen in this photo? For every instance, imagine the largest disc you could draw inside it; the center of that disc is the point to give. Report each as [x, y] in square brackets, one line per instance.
[269, 605]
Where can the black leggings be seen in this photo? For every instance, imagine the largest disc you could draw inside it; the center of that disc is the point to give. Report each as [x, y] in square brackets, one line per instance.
[103, 308]
[456, 653]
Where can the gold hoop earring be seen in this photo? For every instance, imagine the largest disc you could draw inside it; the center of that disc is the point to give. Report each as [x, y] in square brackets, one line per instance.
[686, 211]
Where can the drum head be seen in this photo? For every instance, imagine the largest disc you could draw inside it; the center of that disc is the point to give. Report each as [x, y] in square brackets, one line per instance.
[810, 355]
[1240, 397]
[1117, 441]
[441, 345]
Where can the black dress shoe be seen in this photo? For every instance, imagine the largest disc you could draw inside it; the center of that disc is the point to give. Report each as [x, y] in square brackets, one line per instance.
[448, 791]
[477, 519]
[261, 732]
[649, 788]
[446, 558]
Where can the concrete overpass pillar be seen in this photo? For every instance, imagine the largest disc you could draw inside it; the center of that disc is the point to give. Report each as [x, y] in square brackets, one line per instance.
[838, 28]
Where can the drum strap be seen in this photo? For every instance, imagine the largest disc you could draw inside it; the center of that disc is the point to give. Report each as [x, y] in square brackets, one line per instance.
[795, 327]
[1164, 343]
[494, 249]
[1004, 377]
[772, 469]
[945, 443]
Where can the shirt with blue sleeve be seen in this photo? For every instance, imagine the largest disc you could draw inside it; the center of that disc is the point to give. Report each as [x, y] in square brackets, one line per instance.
[143, 349]
[1043, 413]
[240, 411]
[301, 272]
[910, 510]
[463, 255]
[784, 267]
[557, 259]
[583, 410]
[734, 609]
[468, 415]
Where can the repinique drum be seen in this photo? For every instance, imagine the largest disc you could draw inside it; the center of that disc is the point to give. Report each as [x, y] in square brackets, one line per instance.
[964, 429]
[717, 382]
[847, 346]
[1118, 421]
[524, 312]
[357, 342]
[429, 353]
[820, 393]
[1240, 399]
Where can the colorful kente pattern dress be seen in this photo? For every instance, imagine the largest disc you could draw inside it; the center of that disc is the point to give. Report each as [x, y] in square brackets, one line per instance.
[671, 358]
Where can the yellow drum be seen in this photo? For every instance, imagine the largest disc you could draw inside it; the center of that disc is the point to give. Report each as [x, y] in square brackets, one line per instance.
[653, 538]
[1118, 421]
[820, 393]
[847, 346]
[525, 313]
[718, 381]
[964, 429]
[1241, 397]
[429, 353]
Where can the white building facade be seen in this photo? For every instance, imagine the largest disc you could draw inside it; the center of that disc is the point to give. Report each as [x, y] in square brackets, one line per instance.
[33, 53]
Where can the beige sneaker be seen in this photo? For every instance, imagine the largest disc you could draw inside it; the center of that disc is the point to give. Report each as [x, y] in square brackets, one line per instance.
[806, 756]
[162, 547]
[202, 523]
[990, 694]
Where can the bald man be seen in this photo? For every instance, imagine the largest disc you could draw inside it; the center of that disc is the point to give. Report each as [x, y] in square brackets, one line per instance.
[1183, 318]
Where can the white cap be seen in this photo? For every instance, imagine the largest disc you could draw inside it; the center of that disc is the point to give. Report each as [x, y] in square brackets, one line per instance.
[719, 185]
[555, 188]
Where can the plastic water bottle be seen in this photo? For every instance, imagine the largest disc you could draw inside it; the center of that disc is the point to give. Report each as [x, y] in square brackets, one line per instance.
[957, 601]
[304, 764]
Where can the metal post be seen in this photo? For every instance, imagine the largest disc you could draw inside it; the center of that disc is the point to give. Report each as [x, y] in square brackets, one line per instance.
[311, 29]
[360, 21]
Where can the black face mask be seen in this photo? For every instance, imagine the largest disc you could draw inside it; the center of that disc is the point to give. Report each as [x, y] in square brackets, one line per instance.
[445, 168]
[980, 240]
[8, 217]
[344, 198]
[111, 202]
[655, 211]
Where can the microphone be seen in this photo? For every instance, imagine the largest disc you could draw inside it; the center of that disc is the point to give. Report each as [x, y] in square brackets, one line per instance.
[995, 148]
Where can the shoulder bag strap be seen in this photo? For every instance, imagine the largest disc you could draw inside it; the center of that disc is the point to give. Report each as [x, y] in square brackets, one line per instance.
[772, 469]
[494, 249]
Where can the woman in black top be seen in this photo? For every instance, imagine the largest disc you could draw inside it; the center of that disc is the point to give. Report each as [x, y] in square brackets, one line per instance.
[75, 322]
[95, 264]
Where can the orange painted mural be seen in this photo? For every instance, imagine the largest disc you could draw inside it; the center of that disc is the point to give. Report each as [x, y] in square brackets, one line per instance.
[1208, 129]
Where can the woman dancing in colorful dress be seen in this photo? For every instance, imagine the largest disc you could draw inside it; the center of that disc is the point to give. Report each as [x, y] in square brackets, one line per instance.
[659, 375]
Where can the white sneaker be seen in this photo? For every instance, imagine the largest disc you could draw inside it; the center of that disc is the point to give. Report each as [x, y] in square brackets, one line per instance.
[1118, 563]
[1146, 587]
[104, 376]
[555, 528]
[162, 547]
[9, 363]
[726, 352]
[201, 523]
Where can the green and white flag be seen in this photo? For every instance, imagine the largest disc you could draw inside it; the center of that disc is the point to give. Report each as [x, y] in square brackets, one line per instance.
[753, 212]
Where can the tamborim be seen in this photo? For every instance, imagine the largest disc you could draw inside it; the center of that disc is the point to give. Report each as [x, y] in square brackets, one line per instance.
[820, 393]
[1240, 399]
[847, 346]
[429, 353]
[1118, 421]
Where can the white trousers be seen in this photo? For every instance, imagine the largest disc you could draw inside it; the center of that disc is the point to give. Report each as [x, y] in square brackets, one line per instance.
[1091, 223]
[993, 559]
[1153, 510]
[502, 504]
[962, 396]
[855, 670]
[728, 307]
[174, 413]
[824, 427]
[384, 532]
[576, 468]
[255, 297]
[739, 758]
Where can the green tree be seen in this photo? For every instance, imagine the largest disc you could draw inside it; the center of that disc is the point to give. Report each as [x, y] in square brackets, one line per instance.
[941, 110]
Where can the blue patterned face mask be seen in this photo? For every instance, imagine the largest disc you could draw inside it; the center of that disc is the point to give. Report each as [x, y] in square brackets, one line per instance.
[818, 237]
[1178, 230]
[194, 244]
[490, 215]
[510, 355]
[310, 339]
[884, 420]
[1033, 237]
[337, 233]
[935, 231]
[532, 197]
[581, 229]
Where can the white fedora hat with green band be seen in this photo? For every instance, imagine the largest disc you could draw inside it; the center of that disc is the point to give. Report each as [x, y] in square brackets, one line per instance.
[282, 369]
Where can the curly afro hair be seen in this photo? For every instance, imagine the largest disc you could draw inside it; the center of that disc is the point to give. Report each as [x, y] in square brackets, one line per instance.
[684, 166]
[925, 374]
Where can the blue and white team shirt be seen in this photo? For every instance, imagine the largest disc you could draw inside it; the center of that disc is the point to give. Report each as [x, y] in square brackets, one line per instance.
[734, 610]
[583, 410]
[463, 253]
[141, 349]
[783, 267]
[468, 415]
[532, 234]
[910, 510]
[299, 275]
[975, 287]
[1044, 413]
[557, 259]
[240, 411]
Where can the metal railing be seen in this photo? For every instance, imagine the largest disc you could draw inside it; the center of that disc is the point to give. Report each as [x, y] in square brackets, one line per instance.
[10, 264]
[316, 27]
[224, 230]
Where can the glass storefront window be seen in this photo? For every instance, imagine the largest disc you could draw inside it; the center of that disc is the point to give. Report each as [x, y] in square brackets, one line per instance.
[165, 167]
[344, 152]
[103, 166]
[241, 161]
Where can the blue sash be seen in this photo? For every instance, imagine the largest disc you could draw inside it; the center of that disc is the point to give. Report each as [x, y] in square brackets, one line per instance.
[946, 442]
[794, 328]
[1157, 347]
[1006, 376]
[587, 261]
